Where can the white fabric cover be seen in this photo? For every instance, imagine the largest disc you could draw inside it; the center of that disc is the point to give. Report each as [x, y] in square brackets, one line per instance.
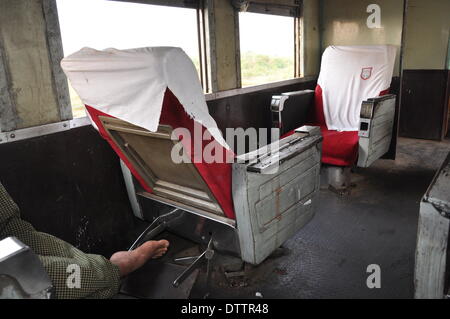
[348, 76]
[130, 84]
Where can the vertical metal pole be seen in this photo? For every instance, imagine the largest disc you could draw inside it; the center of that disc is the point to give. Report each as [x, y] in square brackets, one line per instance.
[210, 44]
[238, 49]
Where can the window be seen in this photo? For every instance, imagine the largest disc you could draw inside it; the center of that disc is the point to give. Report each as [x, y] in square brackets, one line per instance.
[102, 24]
[267, 44]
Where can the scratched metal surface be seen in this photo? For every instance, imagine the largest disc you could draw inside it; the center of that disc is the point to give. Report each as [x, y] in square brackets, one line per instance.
[439, 191]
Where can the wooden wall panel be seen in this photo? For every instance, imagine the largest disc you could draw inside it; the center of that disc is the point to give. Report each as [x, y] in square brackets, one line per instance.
[424, 104]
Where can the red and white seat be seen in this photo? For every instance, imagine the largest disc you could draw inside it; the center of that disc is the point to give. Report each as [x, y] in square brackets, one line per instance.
[138, 99]
[349, 77]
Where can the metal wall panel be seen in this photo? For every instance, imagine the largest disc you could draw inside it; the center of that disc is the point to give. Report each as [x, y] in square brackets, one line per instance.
[427, 34]
[345, 23]
[24, 42]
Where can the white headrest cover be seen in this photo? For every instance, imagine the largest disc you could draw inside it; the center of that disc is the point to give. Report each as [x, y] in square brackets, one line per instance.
[348, 76]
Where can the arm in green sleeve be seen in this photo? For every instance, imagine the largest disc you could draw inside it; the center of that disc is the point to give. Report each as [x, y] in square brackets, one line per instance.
[82, 275]
[99, 278]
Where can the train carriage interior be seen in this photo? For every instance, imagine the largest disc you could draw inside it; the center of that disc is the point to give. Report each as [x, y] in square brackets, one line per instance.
[286, 149]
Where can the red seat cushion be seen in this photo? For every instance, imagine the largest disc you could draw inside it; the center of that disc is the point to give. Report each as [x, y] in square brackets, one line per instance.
[339, 148]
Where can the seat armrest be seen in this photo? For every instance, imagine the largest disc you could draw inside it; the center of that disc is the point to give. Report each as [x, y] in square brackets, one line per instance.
[290, 109]
[276, 194]
[370, 106]
[376, 126]
[23, 275]
[267, 158]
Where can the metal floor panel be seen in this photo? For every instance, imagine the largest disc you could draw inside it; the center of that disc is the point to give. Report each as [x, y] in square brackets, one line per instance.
[143, 283]
[375, 224]
[154, 279]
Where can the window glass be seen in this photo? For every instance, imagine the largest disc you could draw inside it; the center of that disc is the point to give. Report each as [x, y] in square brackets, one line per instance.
[102, 24]
[267, 48]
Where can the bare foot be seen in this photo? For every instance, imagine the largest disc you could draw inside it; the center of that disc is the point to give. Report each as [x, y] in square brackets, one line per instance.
[129, 261]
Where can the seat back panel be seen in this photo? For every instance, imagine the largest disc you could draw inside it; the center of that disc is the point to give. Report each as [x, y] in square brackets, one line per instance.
[150, 154]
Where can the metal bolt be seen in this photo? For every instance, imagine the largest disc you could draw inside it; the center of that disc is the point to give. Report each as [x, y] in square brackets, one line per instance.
[65, 124]
[209, 254]
[13, 135]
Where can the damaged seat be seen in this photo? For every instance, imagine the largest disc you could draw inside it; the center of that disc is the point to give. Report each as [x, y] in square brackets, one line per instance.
[350, 104]
[149, 106]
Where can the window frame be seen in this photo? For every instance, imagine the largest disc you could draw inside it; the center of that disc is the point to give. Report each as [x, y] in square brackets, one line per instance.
[273, 8]
[293, 11]
[54, 41]
[190, 4]
[285, 11]
[56, 54]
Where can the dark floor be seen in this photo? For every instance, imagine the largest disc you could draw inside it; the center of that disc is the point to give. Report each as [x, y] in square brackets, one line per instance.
[375, 224]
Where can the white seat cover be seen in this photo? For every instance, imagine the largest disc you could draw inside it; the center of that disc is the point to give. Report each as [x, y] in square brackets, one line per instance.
[130, 84]
[348, 76]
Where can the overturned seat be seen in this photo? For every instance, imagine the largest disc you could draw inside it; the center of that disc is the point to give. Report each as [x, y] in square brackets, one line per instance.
[350, 104]
[148, 104]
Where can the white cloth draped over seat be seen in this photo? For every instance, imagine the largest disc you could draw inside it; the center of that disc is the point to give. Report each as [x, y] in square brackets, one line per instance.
[130, 84]
[348, 76]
